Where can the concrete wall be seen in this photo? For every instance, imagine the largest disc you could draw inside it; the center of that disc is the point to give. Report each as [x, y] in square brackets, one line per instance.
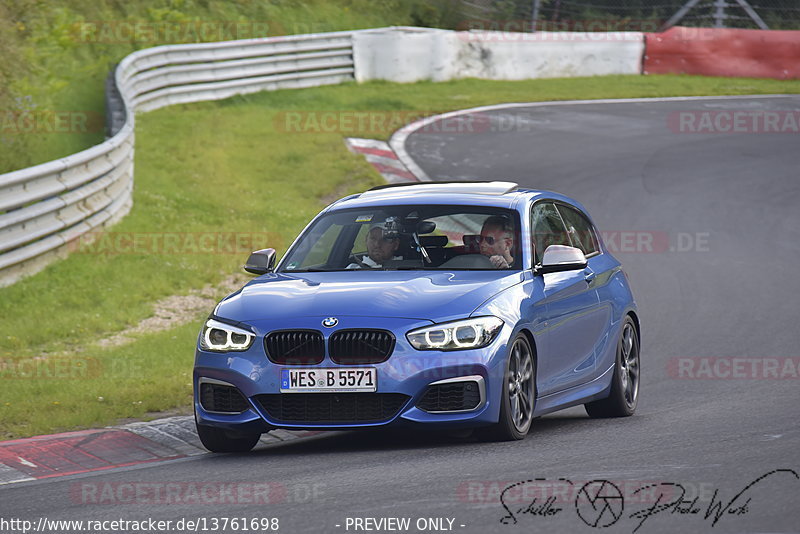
[410, 55]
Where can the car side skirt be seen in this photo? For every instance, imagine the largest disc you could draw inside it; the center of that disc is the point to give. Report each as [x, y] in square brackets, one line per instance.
[599, 388]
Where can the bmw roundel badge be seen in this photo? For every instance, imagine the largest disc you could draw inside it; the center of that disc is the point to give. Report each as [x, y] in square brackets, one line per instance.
[330, 322]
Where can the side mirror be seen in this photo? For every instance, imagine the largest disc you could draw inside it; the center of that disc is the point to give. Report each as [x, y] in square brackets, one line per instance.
[559, 258]
[261, 261]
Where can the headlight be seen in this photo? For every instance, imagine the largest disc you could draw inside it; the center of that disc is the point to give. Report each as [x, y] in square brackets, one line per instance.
[458, 335]
[223, 337]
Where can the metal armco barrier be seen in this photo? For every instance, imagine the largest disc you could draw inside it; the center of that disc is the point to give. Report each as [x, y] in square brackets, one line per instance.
[45, 207]
[724, 52]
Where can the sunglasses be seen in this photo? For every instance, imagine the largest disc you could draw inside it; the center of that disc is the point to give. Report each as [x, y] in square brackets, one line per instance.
[489, 239]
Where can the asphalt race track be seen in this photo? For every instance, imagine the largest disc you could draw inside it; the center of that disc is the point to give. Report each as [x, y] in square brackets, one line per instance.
[708, 228]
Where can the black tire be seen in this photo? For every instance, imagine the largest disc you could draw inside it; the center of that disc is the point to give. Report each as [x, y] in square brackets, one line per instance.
[518, 397]
[624, 395]
[219, 440]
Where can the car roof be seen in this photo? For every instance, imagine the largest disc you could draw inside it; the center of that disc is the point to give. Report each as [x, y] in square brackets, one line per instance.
[469, 187]
[499, 194]
[496, 193]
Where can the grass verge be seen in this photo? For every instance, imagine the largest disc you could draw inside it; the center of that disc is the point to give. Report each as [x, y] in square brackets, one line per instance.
[220, 169]
[54, 56]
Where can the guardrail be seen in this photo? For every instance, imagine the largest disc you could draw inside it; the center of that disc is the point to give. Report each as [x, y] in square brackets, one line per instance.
[45, 207]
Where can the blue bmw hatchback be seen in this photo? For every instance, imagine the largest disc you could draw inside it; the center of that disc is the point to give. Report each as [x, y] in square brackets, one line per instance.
[451, 304]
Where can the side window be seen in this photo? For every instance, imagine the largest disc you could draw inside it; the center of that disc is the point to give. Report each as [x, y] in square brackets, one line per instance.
[547, 229]
[579, 229]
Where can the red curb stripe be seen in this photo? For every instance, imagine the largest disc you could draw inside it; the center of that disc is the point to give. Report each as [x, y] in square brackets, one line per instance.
[386, 169]
[107, 467]
[44, 437]
[81, 452]
[375, 152]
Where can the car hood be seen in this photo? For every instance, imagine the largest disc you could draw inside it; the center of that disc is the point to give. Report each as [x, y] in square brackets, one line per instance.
[435, 296]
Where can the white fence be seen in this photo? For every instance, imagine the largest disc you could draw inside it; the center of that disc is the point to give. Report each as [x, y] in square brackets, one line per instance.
[45, 208]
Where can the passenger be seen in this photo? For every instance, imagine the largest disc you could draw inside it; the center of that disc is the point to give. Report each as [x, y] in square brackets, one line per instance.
[497, 241]
[379, 250]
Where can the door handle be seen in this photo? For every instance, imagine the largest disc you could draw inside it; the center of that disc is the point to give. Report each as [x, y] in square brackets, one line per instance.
[588, 276]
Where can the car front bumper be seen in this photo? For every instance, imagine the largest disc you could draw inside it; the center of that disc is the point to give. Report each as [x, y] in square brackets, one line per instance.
[408, 372]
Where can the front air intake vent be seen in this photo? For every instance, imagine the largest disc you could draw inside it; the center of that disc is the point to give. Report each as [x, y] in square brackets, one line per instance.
[219, 398]
[360, 347]
[295, 347]
[451, 397]
[339, 408]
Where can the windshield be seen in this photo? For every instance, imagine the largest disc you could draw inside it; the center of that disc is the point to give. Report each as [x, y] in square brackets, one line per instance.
[409, 238]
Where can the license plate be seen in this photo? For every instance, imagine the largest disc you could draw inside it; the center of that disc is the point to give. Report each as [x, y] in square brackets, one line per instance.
[326, 380]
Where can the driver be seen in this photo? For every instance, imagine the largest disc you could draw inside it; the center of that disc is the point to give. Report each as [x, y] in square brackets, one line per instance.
[379, 249]
[497, 241]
